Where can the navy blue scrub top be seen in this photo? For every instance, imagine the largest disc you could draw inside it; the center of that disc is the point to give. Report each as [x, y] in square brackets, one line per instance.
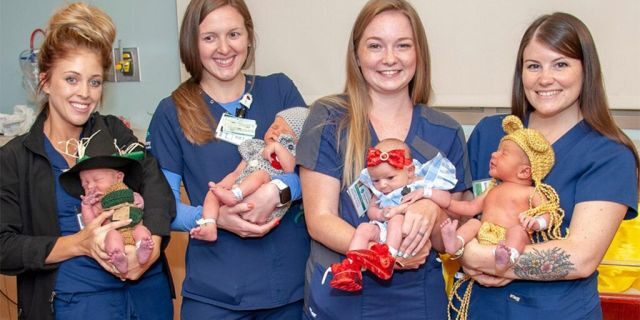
[233, 272]
[588, 167]
[410, 294]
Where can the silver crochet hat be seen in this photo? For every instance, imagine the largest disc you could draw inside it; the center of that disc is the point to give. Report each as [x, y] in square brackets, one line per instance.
[295, 118]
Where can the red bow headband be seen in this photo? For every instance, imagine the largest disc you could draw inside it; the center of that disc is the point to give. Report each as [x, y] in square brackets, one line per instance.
[394, 157]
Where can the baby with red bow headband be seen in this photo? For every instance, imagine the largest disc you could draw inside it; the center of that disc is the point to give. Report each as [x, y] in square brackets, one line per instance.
[396, 181]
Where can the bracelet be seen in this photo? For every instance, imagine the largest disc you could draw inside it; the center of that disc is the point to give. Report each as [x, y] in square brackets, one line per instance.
[204, 222]
[237, 193]
[459, 252]
[513, 256]
[542, 223]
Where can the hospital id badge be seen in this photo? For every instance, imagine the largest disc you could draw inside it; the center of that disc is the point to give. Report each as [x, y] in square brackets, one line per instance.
[360, 197]
[235, 130]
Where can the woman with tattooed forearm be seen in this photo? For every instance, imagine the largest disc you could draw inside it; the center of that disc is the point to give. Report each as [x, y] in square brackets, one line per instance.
[557, 90]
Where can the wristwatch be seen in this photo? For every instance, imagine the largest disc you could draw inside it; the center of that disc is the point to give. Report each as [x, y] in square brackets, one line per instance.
[285, 192]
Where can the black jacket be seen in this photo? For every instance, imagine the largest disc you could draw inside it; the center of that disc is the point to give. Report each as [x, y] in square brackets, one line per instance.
[28, 216]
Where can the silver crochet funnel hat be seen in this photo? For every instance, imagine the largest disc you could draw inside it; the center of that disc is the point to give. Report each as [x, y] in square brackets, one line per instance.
[295, 118]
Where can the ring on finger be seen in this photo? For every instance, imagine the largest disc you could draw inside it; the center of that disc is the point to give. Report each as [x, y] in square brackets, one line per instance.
[420, 233]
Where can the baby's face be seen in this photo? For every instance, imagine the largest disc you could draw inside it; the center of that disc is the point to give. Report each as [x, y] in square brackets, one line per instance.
[97, 181]
[387, 178]
[278, 127]
[506, 161]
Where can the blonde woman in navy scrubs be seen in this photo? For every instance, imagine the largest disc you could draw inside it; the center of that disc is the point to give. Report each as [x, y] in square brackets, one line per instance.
[558, 90]
[386, 95]
[254, 269]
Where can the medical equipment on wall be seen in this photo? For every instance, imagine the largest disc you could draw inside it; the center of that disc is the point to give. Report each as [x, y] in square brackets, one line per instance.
[29, 65]
[23, 116]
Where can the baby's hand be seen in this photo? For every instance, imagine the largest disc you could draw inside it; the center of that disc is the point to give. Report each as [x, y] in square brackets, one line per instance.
[413, 196]
[90, 208]
[138, 201]
[90, 199]
[268, 150]
[85, 200]
[528, 222]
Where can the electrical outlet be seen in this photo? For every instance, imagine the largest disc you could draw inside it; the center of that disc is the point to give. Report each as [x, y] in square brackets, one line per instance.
[126, 65]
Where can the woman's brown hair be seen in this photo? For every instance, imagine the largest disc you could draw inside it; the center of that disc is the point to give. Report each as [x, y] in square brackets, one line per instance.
[569, 36]
[194, 116]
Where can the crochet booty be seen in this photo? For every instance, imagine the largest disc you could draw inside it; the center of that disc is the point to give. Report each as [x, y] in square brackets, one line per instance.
[378, 260]
[347, 276]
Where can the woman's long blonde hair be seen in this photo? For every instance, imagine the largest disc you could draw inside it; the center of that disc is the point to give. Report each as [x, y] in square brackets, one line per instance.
[194, 116]
[357, 102]
[76, 26]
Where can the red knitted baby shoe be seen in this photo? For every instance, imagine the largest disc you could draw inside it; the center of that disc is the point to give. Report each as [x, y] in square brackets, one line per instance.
[347, 276]
[378, 260]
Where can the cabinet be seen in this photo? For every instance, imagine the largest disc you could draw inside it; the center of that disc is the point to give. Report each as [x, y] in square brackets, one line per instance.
[619, 274]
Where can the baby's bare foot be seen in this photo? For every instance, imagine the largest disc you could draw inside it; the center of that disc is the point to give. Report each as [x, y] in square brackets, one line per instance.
[207, 232]
[144, 250]
[502, 256]
[448, 231]
[225, 196]
[119, 260]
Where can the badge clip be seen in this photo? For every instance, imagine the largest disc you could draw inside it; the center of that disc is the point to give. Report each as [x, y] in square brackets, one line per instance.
[246, 100]
[245, 104]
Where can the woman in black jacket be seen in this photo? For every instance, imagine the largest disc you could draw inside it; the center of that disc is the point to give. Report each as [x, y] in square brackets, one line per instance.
[62, 268]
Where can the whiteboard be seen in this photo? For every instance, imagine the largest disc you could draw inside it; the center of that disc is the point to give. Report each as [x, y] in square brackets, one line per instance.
[473, 44]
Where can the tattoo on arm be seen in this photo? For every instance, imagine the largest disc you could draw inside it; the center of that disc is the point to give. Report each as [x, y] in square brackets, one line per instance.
[545, 265]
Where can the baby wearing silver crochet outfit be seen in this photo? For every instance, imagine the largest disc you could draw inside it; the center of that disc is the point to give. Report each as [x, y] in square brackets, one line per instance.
[261, 160]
